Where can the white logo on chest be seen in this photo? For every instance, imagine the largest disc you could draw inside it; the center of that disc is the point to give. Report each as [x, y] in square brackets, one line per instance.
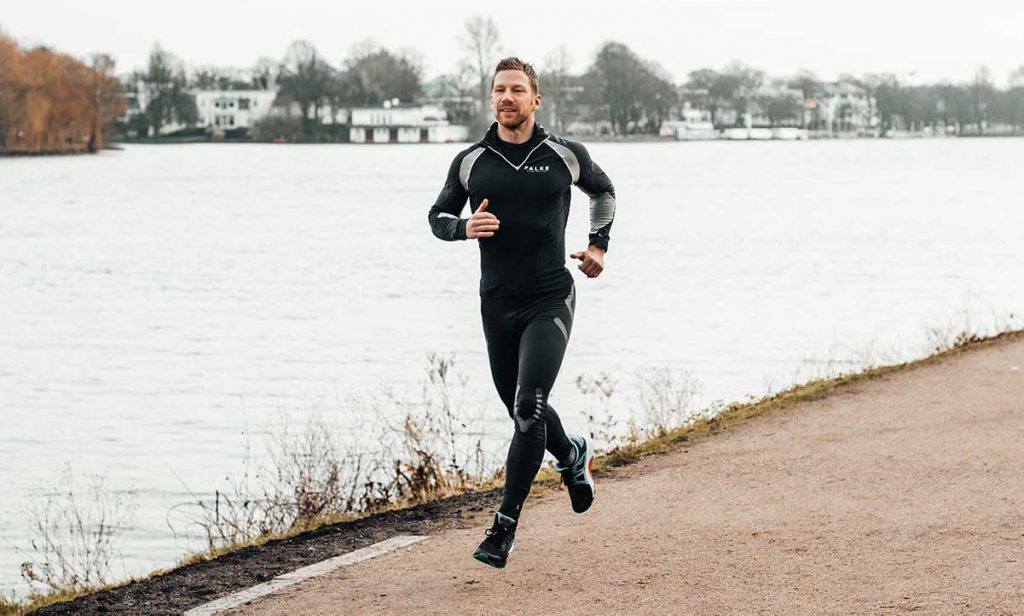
[537, 168]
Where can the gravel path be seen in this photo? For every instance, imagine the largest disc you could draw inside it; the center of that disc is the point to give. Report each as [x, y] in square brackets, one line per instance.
[898, 494]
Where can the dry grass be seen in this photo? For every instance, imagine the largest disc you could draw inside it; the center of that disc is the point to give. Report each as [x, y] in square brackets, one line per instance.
[313, 475]
[76, 533]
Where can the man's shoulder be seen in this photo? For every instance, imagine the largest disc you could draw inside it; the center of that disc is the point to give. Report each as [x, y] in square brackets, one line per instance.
[463, 153]
[560, 140]
[577, 148]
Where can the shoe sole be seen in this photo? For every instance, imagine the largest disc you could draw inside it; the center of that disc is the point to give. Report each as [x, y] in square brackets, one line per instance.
[490, 559]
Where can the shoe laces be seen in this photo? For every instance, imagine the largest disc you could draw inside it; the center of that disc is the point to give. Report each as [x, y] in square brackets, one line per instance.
[497, 529]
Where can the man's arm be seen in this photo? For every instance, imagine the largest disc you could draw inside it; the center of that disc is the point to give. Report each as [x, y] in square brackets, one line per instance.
[598, 186]
[593, 181]
[444, 215]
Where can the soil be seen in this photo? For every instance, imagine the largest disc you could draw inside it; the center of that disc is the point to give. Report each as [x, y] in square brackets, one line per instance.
[192, 585]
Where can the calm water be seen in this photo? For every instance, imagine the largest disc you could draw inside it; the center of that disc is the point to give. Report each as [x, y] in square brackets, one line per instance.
[159, 304]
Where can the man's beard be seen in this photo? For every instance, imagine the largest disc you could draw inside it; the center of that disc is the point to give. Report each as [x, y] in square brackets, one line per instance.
[513, 122]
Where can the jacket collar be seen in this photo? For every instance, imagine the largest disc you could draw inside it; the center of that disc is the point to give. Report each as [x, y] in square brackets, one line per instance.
[491, 138]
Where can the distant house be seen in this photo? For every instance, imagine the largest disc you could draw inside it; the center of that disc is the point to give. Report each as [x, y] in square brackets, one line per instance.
[458, 104]
[694, 124]
[842, 108]
[395, 122]
[775, 105]
[233, 109]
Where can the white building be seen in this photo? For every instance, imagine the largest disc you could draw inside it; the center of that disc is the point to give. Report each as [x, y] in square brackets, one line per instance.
[842, 107]
[695, 124]
[230, 109]
[395, 122]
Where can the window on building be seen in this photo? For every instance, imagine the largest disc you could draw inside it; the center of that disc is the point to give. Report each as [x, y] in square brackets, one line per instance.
[243, 103]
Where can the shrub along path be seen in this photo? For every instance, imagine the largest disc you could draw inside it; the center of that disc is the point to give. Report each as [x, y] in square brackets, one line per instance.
[899, 493]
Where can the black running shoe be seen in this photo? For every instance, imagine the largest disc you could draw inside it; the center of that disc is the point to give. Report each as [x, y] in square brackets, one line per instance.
[494, 550]
[577, 477]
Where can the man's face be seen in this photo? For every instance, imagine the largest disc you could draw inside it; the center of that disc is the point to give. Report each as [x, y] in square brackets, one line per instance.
[513, 99]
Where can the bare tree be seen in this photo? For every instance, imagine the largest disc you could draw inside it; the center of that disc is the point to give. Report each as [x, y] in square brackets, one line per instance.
[723, 89]
[559, 87]
[1016, 79]
[376, 74]
[805, 81]
[635, 93]
[982, 95]
[748, 81]
[481, 43]
[219, 78]
[658, 96]
[305, 78]
[264, 73]
[108, 100]
[166, 92]
[781, 104]
[461, 103]
[617, 70]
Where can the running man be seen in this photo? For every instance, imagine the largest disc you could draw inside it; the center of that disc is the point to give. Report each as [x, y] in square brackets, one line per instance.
[517, 179]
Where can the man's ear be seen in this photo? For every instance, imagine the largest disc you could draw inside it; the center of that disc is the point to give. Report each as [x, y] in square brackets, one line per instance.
[536, 102]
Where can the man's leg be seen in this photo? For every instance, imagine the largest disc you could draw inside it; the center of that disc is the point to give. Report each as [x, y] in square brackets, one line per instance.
[541, 350]
[503, 334]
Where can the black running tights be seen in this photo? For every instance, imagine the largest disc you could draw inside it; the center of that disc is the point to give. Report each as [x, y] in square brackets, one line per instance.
[526, 340]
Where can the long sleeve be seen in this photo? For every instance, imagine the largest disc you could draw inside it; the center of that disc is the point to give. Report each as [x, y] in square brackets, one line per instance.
[598, 186]
[444, 214]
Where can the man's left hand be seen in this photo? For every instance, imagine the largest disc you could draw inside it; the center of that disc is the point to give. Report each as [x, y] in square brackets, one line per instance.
[592, 261]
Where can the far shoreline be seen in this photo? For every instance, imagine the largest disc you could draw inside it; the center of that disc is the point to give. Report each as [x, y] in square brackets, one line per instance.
[626, 139]
[640, 138]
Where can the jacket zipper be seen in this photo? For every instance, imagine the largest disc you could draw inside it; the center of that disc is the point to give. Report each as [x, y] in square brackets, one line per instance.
[528, 155]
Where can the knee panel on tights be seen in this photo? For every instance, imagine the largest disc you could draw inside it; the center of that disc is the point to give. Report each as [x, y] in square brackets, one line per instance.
[529, 408]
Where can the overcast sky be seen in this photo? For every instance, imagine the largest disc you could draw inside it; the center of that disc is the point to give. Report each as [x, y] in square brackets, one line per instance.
[932, 40]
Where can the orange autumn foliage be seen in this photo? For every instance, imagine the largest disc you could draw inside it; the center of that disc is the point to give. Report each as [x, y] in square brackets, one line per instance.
[52, 102]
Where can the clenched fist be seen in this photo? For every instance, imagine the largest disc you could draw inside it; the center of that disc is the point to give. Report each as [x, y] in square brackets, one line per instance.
[592, 261]
[482, 223]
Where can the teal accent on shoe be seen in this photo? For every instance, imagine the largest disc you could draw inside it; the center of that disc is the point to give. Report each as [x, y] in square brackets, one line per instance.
[578, 478]
[575, 458]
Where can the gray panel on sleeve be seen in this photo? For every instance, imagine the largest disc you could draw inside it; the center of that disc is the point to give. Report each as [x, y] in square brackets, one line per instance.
[467, 166]
[602, 211]
[570, 159]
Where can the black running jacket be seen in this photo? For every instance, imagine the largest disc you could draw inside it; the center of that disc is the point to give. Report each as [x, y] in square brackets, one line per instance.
[531, 199]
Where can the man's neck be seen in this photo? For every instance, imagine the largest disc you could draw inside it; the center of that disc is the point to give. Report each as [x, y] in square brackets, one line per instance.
[519, 134]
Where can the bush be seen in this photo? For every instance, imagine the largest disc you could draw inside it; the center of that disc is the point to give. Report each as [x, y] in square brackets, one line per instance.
[76, 531]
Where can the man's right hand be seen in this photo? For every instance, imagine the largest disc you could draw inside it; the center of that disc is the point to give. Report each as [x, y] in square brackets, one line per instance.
[482, 223]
